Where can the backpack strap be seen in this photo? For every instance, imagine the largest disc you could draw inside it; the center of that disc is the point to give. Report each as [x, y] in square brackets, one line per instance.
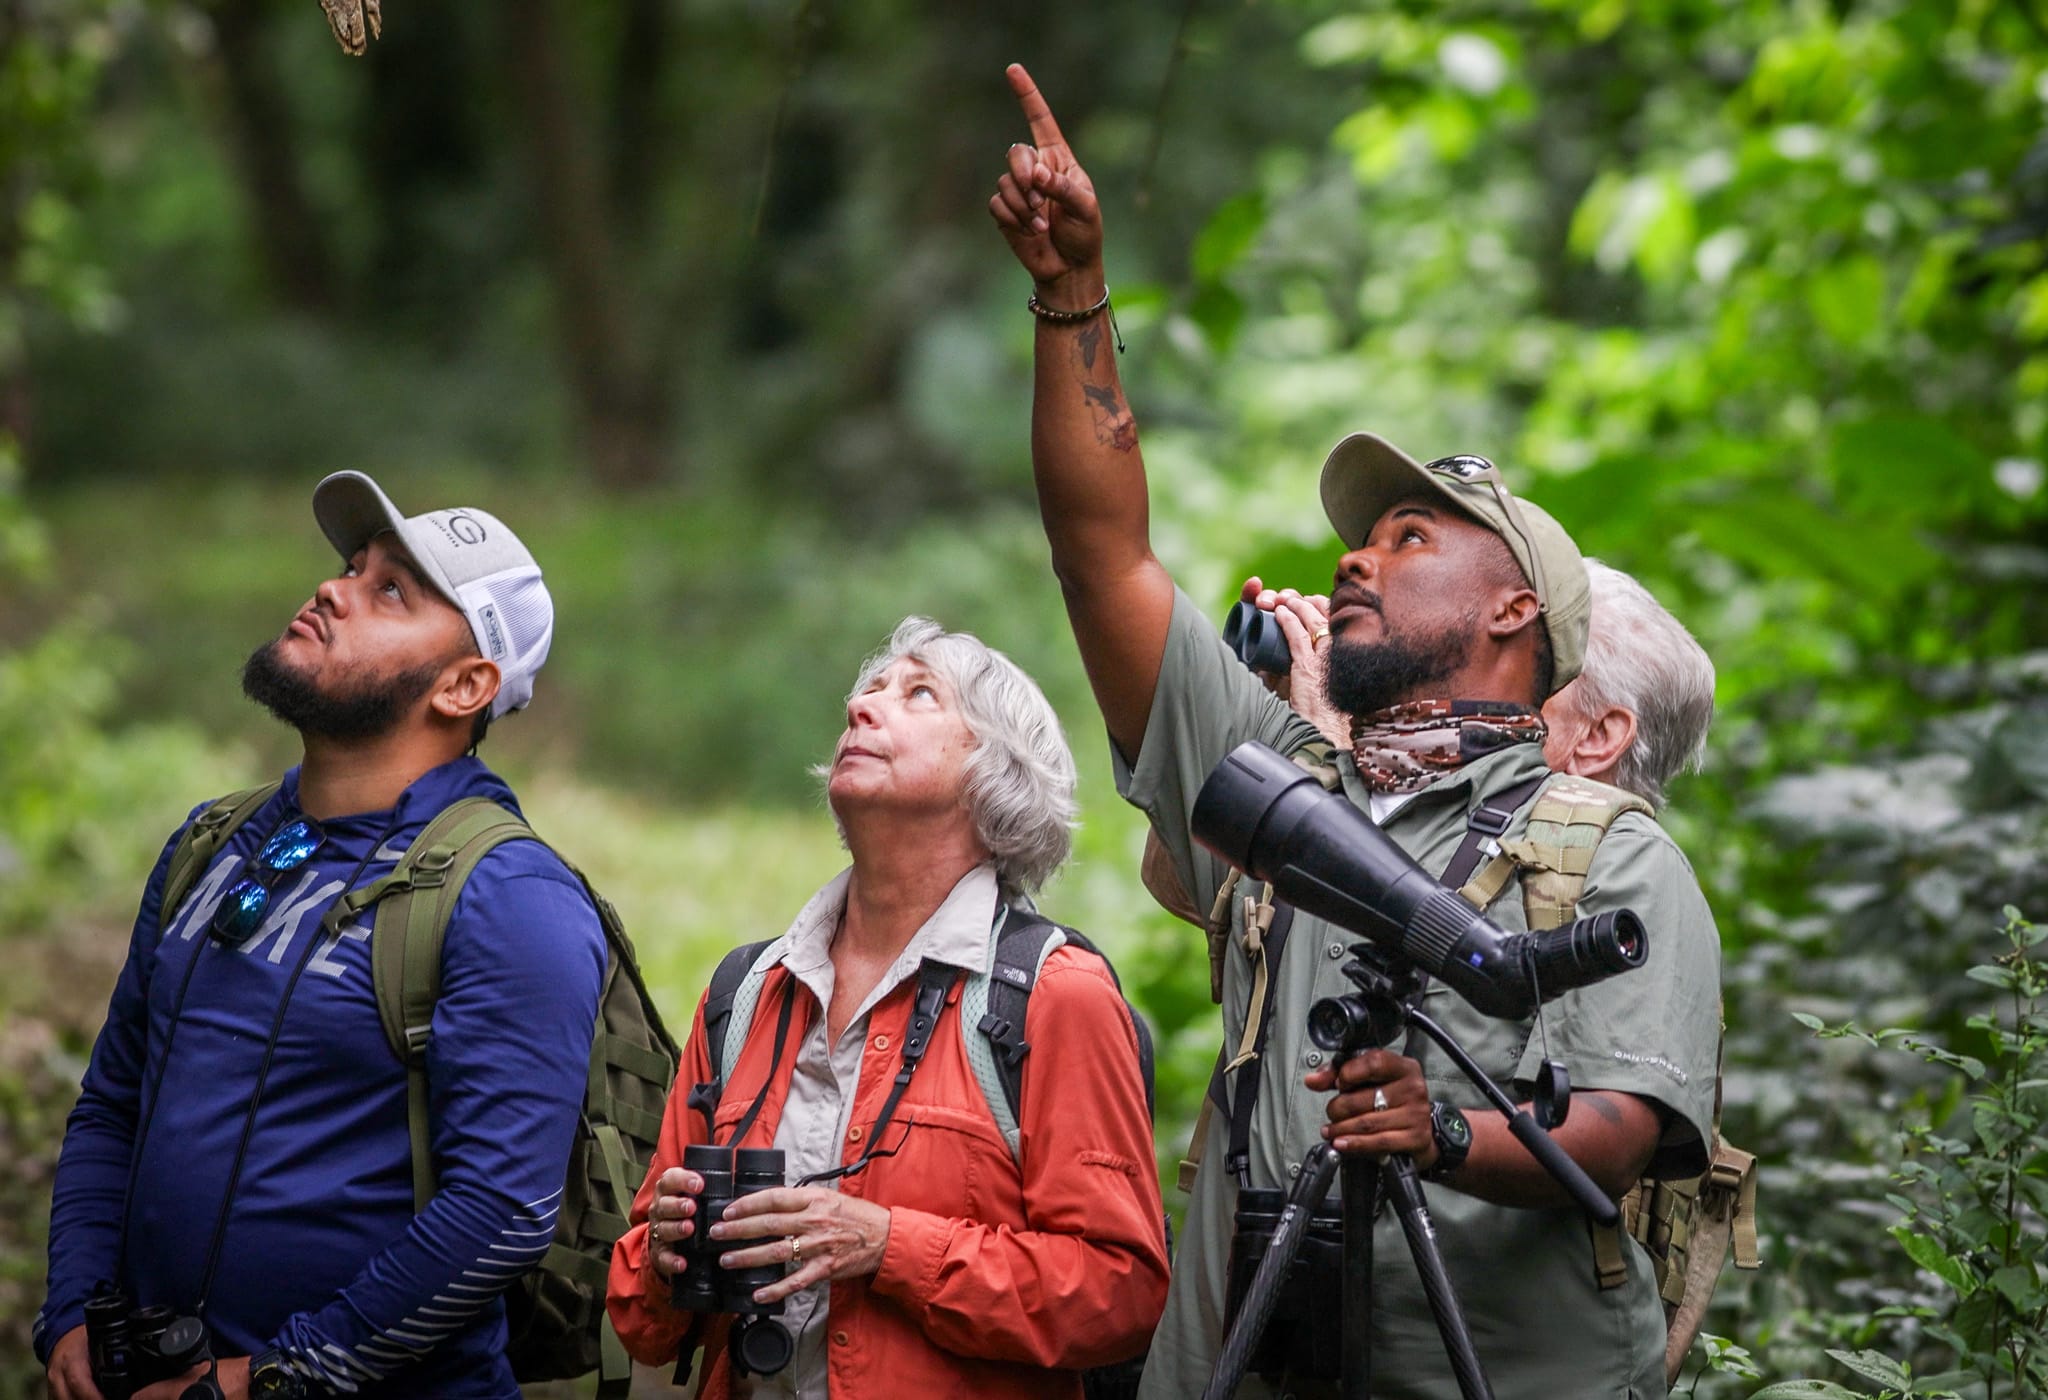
[729, 1004]
[405, 946]
[201, 841]
[1555, 851]
[992, 1010]
[993, 1007]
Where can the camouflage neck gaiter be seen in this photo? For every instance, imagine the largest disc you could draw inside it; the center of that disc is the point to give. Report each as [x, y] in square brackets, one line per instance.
[1405, 748]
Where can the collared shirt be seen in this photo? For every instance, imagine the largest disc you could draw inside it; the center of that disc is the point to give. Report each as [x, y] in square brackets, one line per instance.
[819, 1112]
[1526, 1278]
[1005, 1274]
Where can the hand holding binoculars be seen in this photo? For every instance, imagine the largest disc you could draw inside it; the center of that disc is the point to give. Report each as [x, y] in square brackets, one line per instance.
[760, 1345]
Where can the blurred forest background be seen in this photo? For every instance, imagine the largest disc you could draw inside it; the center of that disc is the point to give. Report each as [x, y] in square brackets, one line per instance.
[701, 295]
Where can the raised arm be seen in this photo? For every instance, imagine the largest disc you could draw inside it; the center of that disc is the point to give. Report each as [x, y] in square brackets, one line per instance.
[1084, 440]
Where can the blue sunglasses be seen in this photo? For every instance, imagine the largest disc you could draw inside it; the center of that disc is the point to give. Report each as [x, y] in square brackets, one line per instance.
[242, 909]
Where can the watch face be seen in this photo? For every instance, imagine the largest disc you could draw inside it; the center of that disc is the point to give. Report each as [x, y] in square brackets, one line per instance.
[1456, 1129]
[269, 1380]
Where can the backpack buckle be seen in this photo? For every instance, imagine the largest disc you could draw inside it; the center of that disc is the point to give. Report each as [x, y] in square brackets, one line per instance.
[1011, 1048]
[1490, 821]
[431, 869]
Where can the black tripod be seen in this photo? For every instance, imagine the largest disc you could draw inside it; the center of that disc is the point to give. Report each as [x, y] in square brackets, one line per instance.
[1374, 1016]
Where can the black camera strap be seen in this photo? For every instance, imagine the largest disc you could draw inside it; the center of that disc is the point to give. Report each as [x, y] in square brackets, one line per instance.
[284, 1001]
[1485, 824]
[782, 1020]
[934, 984]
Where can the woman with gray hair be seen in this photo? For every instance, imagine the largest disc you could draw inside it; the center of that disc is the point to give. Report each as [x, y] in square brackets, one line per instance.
[940, 1239]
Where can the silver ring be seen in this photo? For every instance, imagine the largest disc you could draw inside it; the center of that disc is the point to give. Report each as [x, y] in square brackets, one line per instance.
[796, 1250]
[1379, 1101]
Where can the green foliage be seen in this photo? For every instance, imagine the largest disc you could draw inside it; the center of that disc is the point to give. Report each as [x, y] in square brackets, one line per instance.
[1971, 1167]
[1752, 295]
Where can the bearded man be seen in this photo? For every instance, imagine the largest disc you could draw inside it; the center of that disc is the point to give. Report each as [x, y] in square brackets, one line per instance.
[1456, 611]
[240, 1150]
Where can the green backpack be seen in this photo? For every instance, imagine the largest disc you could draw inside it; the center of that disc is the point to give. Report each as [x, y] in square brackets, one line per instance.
[555, 1313]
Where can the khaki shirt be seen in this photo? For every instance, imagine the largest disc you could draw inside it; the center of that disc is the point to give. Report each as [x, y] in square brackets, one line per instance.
[1541, 1324]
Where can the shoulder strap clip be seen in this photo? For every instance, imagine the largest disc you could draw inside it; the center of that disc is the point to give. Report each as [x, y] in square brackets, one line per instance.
[429, 870]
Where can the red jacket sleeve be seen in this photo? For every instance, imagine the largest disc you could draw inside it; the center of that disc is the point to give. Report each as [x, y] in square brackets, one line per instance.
[636, 1296]
[1084, 1282]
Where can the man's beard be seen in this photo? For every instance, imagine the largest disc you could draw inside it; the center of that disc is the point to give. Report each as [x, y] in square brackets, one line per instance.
[366, 710]
[1364, 677]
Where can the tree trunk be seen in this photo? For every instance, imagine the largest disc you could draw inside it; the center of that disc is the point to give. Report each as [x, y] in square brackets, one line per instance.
[624, 415]
[288, 234]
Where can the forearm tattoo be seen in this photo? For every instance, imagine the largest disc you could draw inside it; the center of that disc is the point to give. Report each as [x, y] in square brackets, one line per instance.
[1115, 427]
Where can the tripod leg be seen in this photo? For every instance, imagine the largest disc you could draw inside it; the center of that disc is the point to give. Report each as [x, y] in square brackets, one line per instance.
[1401, 1183]
[1259, 1299]
[1361, 1185]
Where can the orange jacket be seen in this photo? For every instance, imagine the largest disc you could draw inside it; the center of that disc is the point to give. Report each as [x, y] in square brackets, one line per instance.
[997, 1280]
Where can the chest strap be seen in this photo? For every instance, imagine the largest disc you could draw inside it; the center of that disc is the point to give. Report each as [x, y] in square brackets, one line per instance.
[934, 984]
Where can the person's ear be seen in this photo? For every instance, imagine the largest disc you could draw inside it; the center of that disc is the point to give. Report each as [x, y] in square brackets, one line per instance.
[468, 684]
[1513, 611]
[1602, 742]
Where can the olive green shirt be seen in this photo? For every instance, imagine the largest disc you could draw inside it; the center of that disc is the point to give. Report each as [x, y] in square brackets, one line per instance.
[1542, 1326]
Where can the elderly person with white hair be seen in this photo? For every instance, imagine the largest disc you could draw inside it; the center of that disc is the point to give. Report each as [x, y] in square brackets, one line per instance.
[942, 1250]
[1638, 713]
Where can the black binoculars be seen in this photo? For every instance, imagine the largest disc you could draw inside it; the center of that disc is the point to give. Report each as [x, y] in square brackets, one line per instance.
[1304, 1339]
[131, 1348]
[760, 1346]
[1257, 640]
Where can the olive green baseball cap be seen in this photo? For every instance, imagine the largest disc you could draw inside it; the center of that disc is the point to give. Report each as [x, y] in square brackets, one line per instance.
[1365, 476]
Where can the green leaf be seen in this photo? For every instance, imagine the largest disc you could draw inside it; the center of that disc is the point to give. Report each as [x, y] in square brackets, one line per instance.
[2019, 1285]
[1875, 1366]
[1220, 313]
[1847, 301]
[1932, 1257]
[1230, 233]
[1991, 975]
[1808, 1390]
[1811, 1022]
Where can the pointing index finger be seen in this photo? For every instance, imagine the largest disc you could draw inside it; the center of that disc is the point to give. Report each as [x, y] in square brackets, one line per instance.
[1044, 130]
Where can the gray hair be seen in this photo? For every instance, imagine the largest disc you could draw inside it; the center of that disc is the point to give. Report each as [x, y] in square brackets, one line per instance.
[1641, 658]
[1020, 779]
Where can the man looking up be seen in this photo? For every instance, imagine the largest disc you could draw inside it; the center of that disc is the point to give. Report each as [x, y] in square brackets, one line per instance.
[1456, 612]
[240, 1148]
[1636, 715]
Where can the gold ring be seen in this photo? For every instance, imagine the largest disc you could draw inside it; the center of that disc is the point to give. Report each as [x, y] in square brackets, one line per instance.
[796, 1250]
[1379, 1101]
[1317, 636]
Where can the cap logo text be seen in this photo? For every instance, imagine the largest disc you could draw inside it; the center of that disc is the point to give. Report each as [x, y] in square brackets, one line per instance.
[463, 528]
[494, 634]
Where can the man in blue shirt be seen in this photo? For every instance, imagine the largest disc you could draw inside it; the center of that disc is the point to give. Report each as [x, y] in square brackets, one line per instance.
[240, 1148]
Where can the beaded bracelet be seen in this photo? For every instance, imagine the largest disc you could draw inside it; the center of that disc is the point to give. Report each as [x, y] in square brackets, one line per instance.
[1059, 317]
[1067, 318]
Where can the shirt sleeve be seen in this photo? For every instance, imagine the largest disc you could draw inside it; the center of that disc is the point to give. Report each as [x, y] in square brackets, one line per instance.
[507, 1064]
[636, 1296]
[1207, 702]
[91, 1183]
[1654, 1031]
[1084, 1282]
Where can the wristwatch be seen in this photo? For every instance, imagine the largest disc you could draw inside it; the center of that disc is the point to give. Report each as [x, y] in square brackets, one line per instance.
[1453, 1141]
[271, 1379]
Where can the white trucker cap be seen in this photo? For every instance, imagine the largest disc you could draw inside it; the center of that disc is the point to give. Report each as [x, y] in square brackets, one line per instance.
[471, 558]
